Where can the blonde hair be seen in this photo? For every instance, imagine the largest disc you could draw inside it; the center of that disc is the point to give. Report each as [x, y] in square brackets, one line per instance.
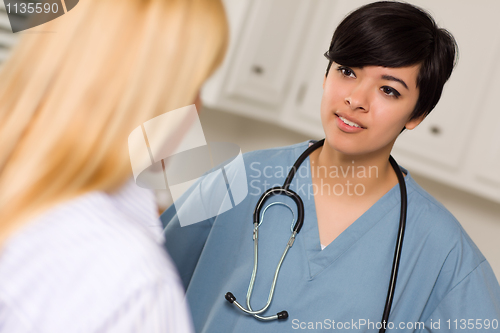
[70, 98]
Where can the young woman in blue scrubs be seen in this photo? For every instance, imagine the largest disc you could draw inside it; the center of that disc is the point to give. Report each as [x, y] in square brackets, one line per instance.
[388, 64]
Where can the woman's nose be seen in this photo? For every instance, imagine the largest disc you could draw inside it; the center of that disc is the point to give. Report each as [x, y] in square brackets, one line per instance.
[357, 99]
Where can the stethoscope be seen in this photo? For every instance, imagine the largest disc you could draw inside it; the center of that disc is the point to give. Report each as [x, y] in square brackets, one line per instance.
[284, 190]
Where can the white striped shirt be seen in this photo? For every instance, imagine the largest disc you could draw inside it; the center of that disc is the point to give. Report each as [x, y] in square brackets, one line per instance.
[93, 264]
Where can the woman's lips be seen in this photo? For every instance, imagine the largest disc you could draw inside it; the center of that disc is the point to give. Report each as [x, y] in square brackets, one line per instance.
[347, 125]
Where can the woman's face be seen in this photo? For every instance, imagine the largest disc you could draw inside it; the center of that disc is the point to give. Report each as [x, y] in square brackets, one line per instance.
[363, 110]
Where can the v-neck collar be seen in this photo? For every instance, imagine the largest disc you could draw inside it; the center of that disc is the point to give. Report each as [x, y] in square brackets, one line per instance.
[319, 259]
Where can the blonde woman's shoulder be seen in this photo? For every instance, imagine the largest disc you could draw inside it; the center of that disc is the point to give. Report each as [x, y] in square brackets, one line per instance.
[94, 263]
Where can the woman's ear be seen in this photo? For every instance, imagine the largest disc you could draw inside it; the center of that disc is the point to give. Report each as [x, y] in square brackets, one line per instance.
[411, 124]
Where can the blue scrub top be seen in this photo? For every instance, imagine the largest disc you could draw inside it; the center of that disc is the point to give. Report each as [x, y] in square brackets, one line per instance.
[444, 284]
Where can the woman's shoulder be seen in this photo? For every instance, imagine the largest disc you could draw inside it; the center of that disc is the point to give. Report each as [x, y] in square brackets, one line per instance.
[95, 227]
[431, 212]
[460, 276]
[255, 160]
[433, 224]
[276, 154]
[90, 250]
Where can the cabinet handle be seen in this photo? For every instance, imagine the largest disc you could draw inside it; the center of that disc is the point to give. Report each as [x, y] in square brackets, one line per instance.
[435, 130]
[257, 69]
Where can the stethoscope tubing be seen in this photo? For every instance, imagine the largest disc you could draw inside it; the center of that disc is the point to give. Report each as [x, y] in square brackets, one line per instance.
[399, 244]
[285, 190]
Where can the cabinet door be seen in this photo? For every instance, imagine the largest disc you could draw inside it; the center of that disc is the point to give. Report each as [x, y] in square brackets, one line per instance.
[301, 112]
[443, 138]
[484, 160]
[262, 57]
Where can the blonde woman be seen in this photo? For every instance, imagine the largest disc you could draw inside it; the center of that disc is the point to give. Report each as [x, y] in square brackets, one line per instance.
[77, 249]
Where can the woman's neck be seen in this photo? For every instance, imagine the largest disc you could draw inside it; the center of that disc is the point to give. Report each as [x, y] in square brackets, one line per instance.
[351, 176]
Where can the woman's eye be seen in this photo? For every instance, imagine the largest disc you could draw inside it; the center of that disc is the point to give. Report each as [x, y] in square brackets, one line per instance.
[346, 71]
[390, 91]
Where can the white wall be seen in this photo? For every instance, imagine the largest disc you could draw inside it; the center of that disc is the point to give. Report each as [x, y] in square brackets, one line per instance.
[479, 217]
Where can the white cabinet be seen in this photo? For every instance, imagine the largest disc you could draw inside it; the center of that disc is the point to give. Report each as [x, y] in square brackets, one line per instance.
[265, 40]
[301, 111]
[275, 69]
[459, 143]
[263, 63]
[444, 137]
[483, 161]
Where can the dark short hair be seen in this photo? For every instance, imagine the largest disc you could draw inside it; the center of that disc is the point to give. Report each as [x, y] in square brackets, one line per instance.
[397, 34]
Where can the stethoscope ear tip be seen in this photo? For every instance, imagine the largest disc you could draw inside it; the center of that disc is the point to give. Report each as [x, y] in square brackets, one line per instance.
[282, 315]
[230, 298]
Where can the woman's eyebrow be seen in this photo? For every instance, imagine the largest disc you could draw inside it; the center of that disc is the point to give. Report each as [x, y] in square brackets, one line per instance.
[392, 78]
